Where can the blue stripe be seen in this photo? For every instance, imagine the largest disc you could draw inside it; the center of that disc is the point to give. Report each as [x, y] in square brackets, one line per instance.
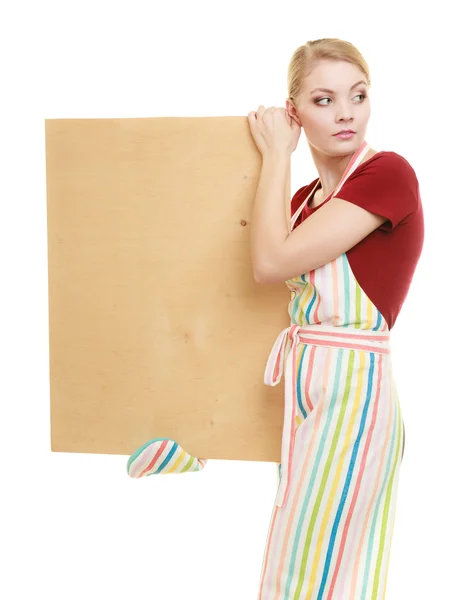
[169, 456]
[348, 479]
[299, 391]
[377, 326]
[310, 305]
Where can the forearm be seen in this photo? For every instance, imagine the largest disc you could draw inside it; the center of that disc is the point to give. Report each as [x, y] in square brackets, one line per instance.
[269, 228]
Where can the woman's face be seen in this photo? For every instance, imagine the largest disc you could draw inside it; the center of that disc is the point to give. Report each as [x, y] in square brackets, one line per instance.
[324, 113]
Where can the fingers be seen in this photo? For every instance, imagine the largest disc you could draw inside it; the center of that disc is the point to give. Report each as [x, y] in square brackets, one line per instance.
[258, 114]
[262, 109]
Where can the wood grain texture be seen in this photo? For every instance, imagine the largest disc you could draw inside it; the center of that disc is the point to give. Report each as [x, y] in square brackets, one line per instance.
[157, 328]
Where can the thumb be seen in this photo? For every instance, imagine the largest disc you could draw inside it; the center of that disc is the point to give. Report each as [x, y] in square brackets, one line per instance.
[252, 120]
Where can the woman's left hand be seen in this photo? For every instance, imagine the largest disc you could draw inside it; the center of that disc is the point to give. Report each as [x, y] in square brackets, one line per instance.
[273, 130]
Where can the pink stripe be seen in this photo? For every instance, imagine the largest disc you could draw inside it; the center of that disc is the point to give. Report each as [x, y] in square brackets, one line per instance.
[276, 369]
[157, 455]
[344, 345]
[293, 413]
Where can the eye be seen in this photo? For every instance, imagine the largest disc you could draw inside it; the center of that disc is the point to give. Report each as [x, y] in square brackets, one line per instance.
[320, 100]
[328, 98]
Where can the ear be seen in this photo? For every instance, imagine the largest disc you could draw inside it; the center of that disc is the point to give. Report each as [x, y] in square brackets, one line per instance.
[292, 112]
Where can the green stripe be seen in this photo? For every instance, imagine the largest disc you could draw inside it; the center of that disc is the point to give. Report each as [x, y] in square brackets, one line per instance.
[187, 467]
[346, 274]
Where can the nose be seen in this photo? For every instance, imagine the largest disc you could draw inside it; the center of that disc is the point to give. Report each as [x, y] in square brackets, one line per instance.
[344, 118]
[344, 113]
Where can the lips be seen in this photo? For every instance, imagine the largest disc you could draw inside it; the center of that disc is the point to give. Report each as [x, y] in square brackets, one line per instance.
[345, 131]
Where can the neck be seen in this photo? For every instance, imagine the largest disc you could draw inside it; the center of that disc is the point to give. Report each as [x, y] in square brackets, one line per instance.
[330, 168]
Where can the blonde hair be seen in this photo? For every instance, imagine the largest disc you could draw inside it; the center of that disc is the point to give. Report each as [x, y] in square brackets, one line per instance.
[305, 58]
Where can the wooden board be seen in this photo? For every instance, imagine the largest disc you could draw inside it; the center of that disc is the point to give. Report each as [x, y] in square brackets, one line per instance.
[157, 327]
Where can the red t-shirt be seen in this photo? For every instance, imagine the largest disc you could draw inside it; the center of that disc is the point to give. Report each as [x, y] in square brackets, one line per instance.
[384, 261]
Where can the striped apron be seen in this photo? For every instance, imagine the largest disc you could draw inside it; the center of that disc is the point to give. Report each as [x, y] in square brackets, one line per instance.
[332, 522]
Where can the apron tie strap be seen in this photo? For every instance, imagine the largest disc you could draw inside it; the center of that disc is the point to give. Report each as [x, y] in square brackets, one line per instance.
[272, 375]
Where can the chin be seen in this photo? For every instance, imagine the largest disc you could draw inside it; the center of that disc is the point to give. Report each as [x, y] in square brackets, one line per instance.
[347, 145]
[337, 147]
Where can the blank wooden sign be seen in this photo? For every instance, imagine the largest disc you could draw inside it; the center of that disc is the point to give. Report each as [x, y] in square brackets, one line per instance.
[157, 327]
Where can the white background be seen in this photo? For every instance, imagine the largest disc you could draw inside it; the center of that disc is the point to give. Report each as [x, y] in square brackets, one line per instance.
[75, 526]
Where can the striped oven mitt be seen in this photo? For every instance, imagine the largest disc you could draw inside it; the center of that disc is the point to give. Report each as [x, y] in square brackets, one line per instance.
[162, 456]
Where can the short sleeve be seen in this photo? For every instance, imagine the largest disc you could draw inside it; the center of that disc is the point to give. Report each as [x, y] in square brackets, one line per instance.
[386, 186]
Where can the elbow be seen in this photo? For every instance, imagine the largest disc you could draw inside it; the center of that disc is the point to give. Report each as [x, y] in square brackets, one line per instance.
[261, 265]
[265, 267]
[257, 277]
[261, 274]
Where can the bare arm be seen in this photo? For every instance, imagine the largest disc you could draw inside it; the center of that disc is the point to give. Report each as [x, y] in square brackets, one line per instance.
[270, 223]
[323, 236]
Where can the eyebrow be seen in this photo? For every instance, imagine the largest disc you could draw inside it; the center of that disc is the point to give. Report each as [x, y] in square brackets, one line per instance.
[331, 91]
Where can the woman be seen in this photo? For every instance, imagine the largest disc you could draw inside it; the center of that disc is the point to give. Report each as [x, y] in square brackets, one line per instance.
[348, 257]
[355, 238]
